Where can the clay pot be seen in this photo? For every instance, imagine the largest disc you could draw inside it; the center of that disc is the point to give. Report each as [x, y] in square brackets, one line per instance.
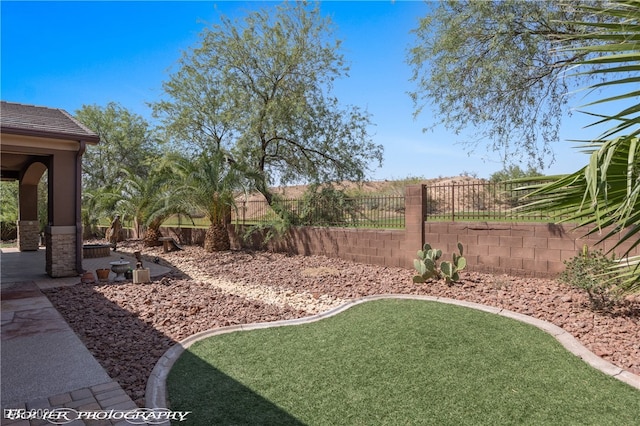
[87, 278]
[103, 274]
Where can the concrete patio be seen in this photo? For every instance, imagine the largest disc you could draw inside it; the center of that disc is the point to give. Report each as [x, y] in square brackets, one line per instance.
[44, 363]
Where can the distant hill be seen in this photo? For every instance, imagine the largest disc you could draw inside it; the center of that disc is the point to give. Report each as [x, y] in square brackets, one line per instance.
[382, 187]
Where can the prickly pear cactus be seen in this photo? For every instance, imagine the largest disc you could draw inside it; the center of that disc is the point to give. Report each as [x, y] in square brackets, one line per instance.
[450, 269]
[427, 265]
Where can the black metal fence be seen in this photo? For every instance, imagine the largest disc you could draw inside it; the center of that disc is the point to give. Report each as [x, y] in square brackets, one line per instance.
[480, 201]
[360, 212]
[466, 201]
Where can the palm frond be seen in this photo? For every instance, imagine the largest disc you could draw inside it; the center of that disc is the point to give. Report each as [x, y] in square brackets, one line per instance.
[604, 196]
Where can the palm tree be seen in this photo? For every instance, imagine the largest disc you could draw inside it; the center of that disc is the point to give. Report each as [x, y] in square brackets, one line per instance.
[149, 200]
[97, 204]
[209, 183]
[606, 192]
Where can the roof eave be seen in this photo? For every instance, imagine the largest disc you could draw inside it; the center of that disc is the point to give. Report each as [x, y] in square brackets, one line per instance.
[91, 139]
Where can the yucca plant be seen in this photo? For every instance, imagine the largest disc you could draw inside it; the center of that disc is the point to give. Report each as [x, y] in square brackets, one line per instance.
[606, 192]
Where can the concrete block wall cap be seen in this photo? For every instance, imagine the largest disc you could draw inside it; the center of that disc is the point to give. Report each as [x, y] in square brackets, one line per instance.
[155, 393]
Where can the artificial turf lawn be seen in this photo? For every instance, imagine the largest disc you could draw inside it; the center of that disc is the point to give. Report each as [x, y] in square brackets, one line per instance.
[396, 362]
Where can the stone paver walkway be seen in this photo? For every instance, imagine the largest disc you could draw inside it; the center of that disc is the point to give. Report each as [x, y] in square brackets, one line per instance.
[104, 397]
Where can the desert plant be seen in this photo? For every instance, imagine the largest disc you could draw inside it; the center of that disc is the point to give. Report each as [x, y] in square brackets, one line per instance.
[450, 270]
[514, 172]
[324, 205]
[207, 183]
[591, 272]
[427, 264]
[150, 200]
[429, 267]
[604, 195]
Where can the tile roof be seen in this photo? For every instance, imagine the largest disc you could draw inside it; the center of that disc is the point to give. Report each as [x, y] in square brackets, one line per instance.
[40, 121]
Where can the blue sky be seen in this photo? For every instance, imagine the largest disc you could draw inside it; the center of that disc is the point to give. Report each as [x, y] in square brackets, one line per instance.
[68, 54]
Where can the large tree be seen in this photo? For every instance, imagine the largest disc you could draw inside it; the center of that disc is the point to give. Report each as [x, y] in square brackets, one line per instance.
[260, 88]
[126, 142]
[492, 67]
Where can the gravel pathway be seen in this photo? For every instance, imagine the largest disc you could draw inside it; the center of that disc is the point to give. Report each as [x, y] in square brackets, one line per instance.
[129, 326]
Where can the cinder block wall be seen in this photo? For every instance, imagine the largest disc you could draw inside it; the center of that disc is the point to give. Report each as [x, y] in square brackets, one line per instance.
[377, 247]
[525, 249]
[537, 250]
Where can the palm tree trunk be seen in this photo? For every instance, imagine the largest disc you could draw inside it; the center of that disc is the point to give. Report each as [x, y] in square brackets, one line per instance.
[151, 237]
[217, 238]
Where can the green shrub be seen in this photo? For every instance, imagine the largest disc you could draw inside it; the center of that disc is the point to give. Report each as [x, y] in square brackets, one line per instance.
[514, 172]
[320, 205]
[591, 272]
[8, 231]
[325, 206]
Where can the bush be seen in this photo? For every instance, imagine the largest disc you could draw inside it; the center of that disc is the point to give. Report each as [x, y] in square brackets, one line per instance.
[325, 206]
[514, 172]
[8, 231]
[591, 272]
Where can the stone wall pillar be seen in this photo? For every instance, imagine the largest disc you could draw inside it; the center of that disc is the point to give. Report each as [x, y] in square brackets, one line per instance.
[61, 251]
[28, 225]
[415, 212]
[28, 235]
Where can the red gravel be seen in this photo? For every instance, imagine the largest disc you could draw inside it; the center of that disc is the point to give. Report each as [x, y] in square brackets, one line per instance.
[128, 327]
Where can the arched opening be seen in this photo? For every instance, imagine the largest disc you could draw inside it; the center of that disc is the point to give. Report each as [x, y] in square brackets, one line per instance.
[32, 216]
[34, 140]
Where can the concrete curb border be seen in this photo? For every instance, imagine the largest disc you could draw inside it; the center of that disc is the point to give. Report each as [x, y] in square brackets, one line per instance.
[156, 392]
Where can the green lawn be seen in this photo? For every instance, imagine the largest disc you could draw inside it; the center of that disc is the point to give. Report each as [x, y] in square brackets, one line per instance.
[396, 362]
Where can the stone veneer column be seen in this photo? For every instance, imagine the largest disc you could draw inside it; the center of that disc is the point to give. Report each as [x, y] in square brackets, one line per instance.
[28, 235]
[61, 251]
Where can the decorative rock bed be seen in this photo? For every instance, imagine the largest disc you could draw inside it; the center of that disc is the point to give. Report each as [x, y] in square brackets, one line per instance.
[90, 251]
[210, 290]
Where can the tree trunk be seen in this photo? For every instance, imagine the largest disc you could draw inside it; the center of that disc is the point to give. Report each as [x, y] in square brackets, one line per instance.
[217, 238]
[137, 229]
[151, 237]
[262, 188]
